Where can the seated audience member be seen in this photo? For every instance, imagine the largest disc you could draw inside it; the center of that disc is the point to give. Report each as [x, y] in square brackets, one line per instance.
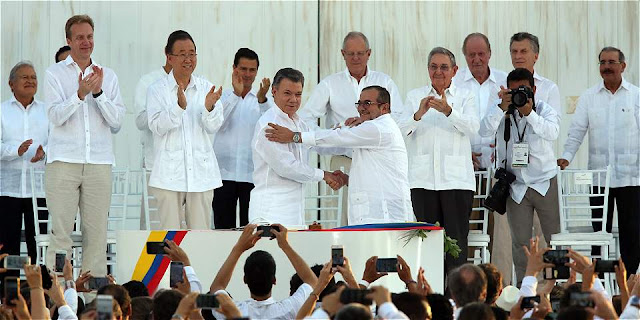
[165, 304]
[494, 282]
[141, 307]
[260, 276]
[476, 311]
[467, 284]
[136, 289]
[441, 308]
[414, 305]
[121, 295]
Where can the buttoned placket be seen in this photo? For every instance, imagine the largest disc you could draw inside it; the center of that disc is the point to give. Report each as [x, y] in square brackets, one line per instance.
[186, 127]
[85, 111]
[611, 111]
[25, 136]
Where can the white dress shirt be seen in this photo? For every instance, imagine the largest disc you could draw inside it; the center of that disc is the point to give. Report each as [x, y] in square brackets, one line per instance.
[337, 94]
[541, 128]
[142, 120]
[613, 122]
[183, 142]
[280, 170]
[548, 92]
[18, 125]
[233, 141]
[485, 93]
[270, 308]
[378, 185]
[80, 130]
[439, 147]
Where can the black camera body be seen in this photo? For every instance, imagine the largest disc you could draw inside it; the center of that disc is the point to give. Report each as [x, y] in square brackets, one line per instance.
[519, 97]
[497, 198]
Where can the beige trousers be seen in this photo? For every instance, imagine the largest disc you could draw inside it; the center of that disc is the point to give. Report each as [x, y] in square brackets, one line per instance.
[70, 186]
[197, 208]
[343, 162]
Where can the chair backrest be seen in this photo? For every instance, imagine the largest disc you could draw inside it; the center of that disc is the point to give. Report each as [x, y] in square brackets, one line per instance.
[576, 189]
[119, 199]
[146, 199]
[325, 207]
[37, 191]
[483, 185]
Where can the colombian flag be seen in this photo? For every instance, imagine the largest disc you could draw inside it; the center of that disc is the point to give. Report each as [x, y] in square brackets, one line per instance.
[151, 268]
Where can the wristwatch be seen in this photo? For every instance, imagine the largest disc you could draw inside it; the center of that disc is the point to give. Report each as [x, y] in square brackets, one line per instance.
[296, 137]
[176, 317]
[69, 284]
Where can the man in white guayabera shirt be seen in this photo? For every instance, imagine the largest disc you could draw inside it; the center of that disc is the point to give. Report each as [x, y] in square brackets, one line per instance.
[280, 170]
[184, 111]
[378, 177]
[84, 107]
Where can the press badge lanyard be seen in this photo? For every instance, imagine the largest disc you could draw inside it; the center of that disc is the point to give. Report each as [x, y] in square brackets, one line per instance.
[520, 154]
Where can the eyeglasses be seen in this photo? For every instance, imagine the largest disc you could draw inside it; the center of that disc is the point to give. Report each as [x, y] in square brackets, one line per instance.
[443, 67]
[184, 56]
[359, 54]
[609, 62]
[367, 103]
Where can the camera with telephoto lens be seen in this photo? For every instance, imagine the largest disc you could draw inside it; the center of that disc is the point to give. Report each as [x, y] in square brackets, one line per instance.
[497, 198]
[519, 97]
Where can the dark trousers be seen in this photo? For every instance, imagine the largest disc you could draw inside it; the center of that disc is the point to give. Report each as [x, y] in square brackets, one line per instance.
[224, 204]
[14, 210]
[451, 208]
[627, 200]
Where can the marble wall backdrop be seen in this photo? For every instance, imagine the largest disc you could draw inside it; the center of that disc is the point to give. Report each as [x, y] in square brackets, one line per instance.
[130, 37]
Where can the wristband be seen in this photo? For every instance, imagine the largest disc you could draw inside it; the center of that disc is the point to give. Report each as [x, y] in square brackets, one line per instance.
[95, 95]
[410, 282]
[364, 283]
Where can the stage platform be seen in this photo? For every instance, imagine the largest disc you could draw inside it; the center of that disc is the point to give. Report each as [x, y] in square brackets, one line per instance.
[207, 250]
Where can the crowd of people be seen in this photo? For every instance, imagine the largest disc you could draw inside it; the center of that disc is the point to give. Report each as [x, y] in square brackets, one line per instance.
[208, 149]
[474, 292]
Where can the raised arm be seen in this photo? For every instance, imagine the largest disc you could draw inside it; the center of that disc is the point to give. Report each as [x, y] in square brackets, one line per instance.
[301, 267]
[246, 241]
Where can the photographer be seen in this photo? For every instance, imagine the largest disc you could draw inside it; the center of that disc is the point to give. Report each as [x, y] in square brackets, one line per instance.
[526, 162]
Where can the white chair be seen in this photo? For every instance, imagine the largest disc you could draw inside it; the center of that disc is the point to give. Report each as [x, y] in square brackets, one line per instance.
[146, 200]
[479, 237]
[575, 189]
[324, 208]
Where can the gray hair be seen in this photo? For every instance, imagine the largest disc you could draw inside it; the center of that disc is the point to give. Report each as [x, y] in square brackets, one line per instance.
[533, 40]
[474, 35]
[612, 49]
[445, 51]
[24, 63]
[353, 35]
[288, 73]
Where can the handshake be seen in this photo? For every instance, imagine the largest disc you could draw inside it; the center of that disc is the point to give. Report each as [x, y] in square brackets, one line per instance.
[336, 179]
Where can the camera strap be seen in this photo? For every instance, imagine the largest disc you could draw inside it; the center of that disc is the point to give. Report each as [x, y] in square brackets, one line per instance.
[520, 136]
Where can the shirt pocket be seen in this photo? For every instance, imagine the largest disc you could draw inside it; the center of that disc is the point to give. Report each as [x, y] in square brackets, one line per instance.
[204, 164]
[421, 167]
[456, 168]
[627, 165]
[358, 206]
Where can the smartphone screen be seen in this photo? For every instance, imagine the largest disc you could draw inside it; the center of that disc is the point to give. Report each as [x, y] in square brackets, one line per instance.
[60, 259]
[16, 262]
[606, 265]
[581, 299]
[175, 273]
[387, 265]
[97, 283]
[266, 231]
[557, 257]
[46, 277]
[104, 307]
[207, 301]
[11, 287]
[337, 258]
[349, 295]
[528, 302]
[155, 247]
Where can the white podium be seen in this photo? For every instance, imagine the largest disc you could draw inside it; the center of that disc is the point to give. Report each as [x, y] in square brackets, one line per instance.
[207, 250]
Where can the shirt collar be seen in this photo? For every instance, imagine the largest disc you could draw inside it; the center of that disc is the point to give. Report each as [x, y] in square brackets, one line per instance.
[267, 302]
[17, 103]
[451, 90]
[281, 113]
[468, 75]
[69, 61]
[349, 76]
[171, 81]
[625, 84]
[537, 76]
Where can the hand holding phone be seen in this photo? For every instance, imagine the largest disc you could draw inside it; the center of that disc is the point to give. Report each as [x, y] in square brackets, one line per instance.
[207, 301]
[156, 247]
[266, 231]
[16, 262]
[337, 257]
[606, 265]
[61, 255]
[96, 283]
[528, 302]
[387, 265]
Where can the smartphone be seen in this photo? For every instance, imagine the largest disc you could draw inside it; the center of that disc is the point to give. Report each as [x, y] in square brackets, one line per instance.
[528, 302]
[337, 258]
[97, 283]
[207, 301]
[11, 287]
[61, 255]
[154, 247]
[104, 307]
[581, 299]
[387, 265]
[606, 265]
[16, 262]
[556, 273]
[175, 273]
[266, 231]
[349, 295]
[557, 257]
[46, 277]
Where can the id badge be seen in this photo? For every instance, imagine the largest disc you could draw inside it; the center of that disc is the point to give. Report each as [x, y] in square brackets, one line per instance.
[520, 155]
